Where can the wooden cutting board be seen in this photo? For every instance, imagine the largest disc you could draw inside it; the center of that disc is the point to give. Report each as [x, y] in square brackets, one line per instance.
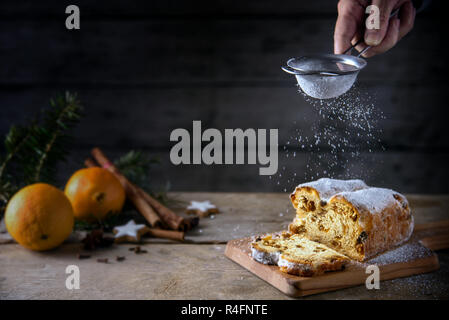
[411, 258]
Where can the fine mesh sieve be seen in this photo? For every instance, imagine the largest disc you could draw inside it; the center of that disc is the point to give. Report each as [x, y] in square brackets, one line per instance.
[325, 76]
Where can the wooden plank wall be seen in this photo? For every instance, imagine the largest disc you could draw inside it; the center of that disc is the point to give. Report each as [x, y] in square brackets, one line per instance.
[144, 68]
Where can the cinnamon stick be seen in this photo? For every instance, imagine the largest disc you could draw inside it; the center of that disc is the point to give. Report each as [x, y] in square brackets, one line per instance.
[171, 219]
[131, 190]
[158, 233]
[166, 234]
[90, 163]
[186, 224]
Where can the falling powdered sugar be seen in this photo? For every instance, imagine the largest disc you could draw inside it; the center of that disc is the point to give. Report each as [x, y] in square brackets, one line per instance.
[342, 142]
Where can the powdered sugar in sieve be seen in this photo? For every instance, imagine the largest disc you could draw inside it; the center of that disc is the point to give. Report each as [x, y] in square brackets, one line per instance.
[325, 76]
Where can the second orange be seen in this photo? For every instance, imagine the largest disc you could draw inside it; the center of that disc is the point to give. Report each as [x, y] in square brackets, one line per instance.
[94, 193]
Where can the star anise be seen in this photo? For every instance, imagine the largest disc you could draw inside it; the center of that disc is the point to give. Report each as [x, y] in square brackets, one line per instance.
[96, 239]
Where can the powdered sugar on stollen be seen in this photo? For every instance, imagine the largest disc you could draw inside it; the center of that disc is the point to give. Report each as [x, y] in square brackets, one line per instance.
[327, 187]
[263, 257]
[373, 200]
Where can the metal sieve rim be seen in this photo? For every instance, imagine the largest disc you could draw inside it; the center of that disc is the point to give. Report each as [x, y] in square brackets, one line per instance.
[353, 61]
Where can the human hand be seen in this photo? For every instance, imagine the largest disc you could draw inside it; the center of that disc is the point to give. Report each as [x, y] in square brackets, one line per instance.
[350, 25]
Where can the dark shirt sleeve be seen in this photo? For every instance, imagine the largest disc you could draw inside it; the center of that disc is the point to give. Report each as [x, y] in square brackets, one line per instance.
[420, 5]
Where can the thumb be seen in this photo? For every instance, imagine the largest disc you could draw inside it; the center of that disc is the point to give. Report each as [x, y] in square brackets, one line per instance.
[374, 37]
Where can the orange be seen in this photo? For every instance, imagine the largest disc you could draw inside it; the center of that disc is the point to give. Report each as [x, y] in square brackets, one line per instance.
[39, 217]
[94, 193]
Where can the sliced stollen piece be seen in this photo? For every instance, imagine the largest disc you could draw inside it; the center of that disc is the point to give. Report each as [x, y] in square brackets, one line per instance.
[266, 249]
[297, 255]
[362, 223]
[308, 258]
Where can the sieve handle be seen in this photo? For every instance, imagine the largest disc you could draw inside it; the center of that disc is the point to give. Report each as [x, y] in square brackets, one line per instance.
[363, 51]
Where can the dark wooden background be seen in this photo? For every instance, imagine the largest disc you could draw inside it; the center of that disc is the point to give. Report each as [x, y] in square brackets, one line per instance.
[143, 68]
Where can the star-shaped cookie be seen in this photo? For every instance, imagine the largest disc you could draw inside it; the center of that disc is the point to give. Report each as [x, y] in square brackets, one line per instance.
[201, 208]
[130, 232]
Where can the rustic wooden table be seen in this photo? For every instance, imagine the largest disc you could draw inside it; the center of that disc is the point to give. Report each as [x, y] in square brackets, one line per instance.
[198, 268]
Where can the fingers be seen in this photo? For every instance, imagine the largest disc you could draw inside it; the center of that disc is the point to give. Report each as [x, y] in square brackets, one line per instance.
[358, 39]
[388, 42]
[350, 17]
[397, 28]
[374, 37]
[407, 16]
[351, 20]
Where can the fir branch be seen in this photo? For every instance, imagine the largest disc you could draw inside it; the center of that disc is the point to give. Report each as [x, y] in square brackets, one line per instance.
[136, 165]
[43, 157]
[6, 192]
[52, 138]
[14, 141]
[33, 151]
